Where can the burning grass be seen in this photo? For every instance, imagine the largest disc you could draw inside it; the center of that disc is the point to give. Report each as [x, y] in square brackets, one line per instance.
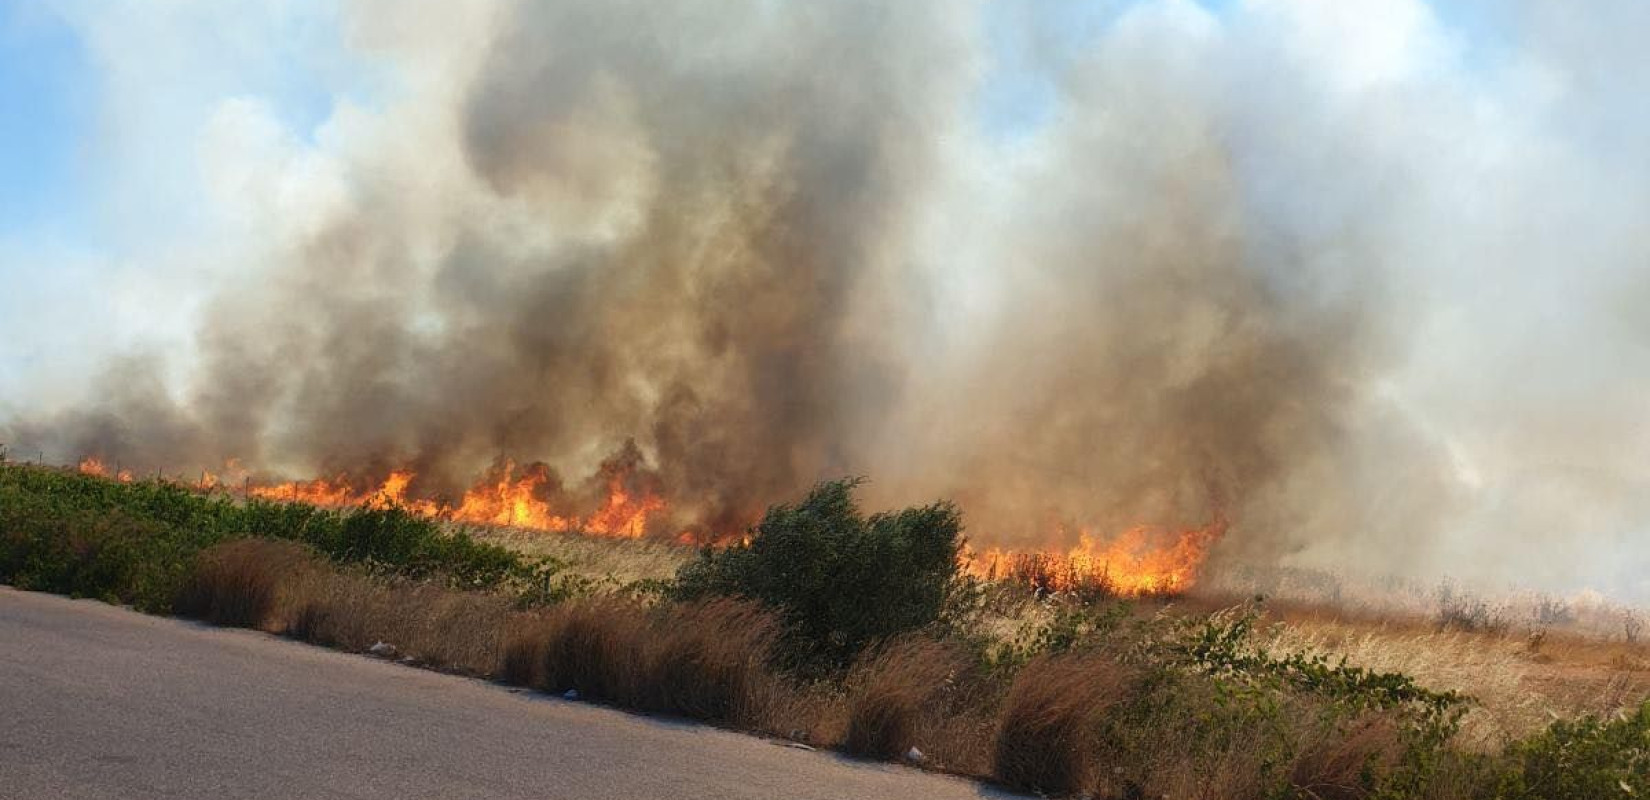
[1060, 691]
[1140, 562]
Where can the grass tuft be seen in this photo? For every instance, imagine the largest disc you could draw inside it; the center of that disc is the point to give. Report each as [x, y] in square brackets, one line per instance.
[1047, 735]
[892, 691]
[238, 583]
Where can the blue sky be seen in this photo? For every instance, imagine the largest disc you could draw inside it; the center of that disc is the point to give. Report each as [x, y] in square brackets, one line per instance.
[48, 94]
[50, 91]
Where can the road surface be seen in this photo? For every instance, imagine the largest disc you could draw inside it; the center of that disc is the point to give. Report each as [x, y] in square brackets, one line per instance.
[100, 702]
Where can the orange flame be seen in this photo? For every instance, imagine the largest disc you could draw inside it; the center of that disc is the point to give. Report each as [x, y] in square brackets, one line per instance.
[92, 465]
[529, 498]
[623, 516]
[512, 502]
[1141, 561]
[318, 492]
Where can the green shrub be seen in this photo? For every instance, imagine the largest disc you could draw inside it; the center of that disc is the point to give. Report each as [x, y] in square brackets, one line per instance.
[86, 536]
[1586, 758]
[841, 581]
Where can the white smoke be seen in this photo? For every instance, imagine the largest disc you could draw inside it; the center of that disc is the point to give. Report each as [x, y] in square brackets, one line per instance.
[1367, 275]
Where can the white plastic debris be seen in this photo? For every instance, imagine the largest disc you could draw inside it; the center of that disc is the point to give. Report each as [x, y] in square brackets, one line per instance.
[570, 694]
[384, 649]
[915, 756]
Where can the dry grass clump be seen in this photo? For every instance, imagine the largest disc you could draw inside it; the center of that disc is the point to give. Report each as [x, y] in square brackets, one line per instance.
[455, 631]
[239, 583]
[705, 660]
[284, 587]
[1332, 764]
[894, 692]
[708, 660]
[1047, 737]
[525, 638]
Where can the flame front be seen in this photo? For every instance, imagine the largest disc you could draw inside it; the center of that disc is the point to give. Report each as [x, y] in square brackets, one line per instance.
[623, 501]
[507, 497]
[1141, 561]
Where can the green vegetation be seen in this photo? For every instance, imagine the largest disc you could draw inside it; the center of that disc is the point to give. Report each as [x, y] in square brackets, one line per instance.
[85, 536]
[1588, 757]
[841, 581]
[829, 626]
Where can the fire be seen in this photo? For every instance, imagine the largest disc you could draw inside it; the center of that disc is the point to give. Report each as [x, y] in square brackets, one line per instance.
[625, 499]
[318, 492]
[622, 515]
[92, 465]
[1141, 561]
[507, 496]
[513, 502]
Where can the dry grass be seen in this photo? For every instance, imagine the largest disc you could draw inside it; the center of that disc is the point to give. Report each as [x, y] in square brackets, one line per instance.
[1517, 690]
[619, 561]
[1047, 739]
[893, 690]
[708, 660]
[1331, 764]
[594, 647]
[526, 637]
[426, 623]
[283, 587]
[702, 660]
[239, 583]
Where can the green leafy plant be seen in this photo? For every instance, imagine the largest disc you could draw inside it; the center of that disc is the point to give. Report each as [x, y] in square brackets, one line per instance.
[1586, 758]
[840, 580]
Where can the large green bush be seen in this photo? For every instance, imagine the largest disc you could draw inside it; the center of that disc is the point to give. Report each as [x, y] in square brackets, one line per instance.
[840, 580]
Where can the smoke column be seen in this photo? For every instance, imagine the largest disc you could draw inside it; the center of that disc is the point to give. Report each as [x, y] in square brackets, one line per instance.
[1363, 279]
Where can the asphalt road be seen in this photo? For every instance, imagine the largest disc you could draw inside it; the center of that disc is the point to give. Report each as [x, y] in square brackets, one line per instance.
[100, 702]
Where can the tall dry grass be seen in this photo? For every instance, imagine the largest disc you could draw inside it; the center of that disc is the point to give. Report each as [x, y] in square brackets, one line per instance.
[240, 583]
[619, 561]
[453, 631]
[1517, 690]
[1048, 735]
[896, 690]
[706, 660]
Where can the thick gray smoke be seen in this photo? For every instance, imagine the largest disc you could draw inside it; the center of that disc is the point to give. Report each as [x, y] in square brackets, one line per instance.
[1281, 265]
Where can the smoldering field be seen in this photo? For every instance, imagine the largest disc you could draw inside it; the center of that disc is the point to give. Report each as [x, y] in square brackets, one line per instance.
[1360, 279]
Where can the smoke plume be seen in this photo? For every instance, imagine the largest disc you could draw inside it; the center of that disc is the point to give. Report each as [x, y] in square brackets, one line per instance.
[1326, 271]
